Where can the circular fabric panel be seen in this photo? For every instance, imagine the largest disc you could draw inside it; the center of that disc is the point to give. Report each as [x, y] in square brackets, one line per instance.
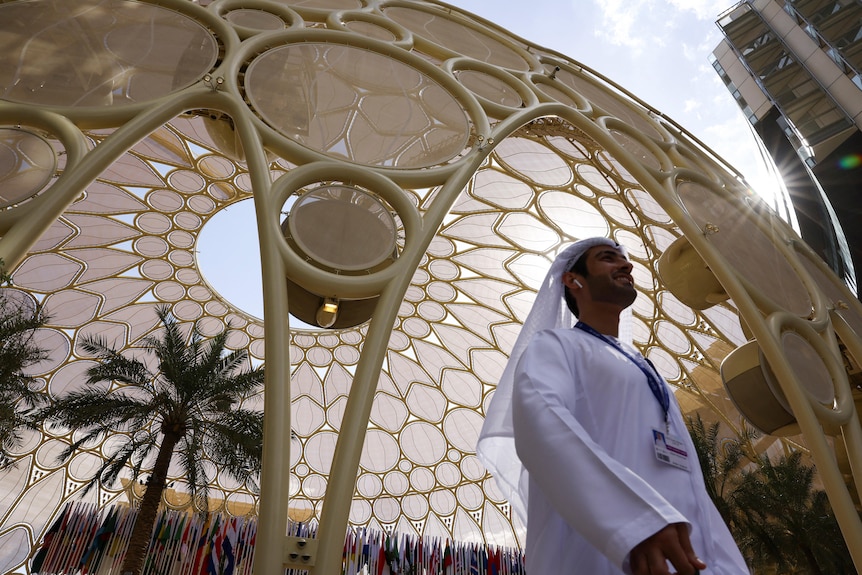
[27, 164]
[109, 53]
[326, 4]
[355, 104]
[343, 228]
[836, 292]
[460, 36]
[371, 30]
[809, 367]
[746, 246]
[255, 19]
[490, 87]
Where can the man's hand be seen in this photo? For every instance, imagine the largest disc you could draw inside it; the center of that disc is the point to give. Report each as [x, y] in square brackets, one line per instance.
[651, 555]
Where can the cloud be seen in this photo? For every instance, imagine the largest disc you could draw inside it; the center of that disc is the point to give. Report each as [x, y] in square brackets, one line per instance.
[618, 21]
[702, 9]
[690, 53]
[643, 25]
[725, 136]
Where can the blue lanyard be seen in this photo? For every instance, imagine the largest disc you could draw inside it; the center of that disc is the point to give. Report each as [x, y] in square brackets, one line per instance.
[659, 390]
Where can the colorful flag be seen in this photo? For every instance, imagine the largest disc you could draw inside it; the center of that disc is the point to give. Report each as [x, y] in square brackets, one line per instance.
[227, 547]
[47, 540]
[93, 555]
[447, 558]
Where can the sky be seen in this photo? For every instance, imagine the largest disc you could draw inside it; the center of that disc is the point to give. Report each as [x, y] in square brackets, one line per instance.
[656, 49]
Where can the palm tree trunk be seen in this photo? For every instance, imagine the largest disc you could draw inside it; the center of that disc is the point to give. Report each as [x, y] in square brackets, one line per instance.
[812, 561]
[143, 530]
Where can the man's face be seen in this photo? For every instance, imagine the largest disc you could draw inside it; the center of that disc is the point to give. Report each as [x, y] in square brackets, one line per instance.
[609, 276]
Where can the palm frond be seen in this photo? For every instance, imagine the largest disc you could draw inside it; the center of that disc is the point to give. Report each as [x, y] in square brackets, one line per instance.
[196, 477]
[95, 407]
[242, 429]
[19, 350]
[114, 366]
[188, 411]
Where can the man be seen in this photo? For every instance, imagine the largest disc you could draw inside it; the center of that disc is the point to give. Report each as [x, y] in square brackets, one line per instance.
[588, 439]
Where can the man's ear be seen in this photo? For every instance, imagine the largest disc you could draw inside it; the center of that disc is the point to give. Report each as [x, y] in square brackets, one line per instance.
[570, 280]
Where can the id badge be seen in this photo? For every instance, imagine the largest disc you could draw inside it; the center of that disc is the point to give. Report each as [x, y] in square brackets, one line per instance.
[670, 450]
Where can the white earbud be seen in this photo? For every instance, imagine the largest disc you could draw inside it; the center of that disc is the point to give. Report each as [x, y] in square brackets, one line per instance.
[579, 284]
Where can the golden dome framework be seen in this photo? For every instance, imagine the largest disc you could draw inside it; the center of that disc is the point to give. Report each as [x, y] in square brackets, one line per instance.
[490, 152]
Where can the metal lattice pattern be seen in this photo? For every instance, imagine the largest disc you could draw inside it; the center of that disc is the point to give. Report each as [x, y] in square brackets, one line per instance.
[503, 150]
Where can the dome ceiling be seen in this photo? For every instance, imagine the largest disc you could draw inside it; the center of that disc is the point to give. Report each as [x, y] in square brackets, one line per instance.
[480, 154]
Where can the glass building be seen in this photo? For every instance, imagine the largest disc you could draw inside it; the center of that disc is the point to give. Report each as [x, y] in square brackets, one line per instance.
[795, 68]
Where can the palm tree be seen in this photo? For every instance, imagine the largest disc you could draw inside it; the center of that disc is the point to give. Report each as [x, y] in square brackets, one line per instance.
[189, 408]
[19, 320]
[720, 462]
[781, 523]
[787, 522]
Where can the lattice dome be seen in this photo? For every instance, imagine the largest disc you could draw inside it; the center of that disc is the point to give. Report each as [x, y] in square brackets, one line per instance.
[433, 165]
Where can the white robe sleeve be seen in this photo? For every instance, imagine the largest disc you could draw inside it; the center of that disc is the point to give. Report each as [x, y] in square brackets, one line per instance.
[607, 503]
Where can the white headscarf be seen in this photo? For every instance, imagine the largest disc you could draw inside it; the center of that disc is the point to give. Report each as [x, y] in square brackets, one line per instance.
[496, 445]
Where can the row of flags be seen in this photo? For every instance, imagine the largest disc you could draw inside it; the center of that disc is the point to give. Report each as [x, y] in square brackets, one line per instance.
[86, 540]
[370, 552]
